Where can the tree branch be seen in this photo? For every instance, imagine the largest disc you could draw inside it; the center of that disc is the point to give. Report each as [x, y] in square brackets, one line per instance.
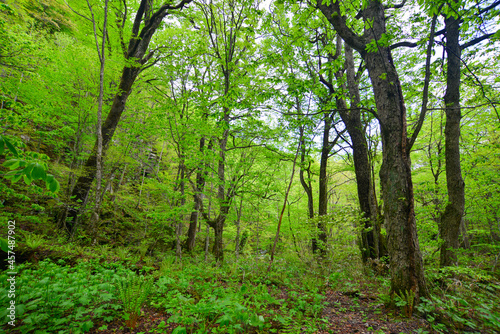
[403, 44]
[425, 97]
[332, 14]
[493, 5]
[475, 41]
[401, 5]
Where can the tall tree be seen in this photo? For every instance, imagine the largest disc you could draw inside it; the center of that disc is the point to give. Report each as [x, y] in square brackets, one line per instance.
[407, 271]
[451, 218]
[371, 245]
[147, 20]
[101, 51]
[225, 23]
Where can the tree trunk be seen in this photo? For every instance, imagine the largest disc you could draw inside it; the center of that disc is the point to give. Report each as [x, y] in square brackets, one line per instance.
[224, 200]
[207, 242]
[182, 202]
[238, 228]
[193, 222]
[370, 236]
[200, 184]
[326, 148]
[451, 218]
[218, 241]
[306, 184]
[99, 160]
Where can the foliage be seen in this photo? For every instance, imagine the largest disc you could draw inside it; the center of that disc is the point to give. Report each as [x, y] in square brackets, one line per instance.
[133, 292]
[54, 296]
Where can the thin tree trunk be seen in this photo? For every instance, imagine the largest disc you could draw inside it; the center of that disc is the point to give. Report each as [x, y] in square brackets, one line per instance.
[326, 148]
[451, 218]
[200, 185]
[283, 210]
[102, 60]
[207, 242]
[182, 202]
[238, 228]
[306, 184]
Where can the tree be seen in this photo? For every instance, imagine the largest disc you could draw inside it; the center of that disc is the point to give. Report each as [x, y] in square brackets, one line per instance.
[225, 24]
[407, 271]
[147, 20]
[451, 218]
[372, 246]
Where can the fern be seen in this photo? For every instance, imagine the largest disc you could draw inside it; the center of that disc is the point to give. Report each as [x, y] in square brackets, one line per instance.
[133, 292]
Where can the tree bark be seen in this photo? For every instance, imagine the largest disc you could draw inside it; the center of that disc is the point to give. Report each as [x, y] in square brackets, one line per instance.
[451, 218]
[306, 184]
[238, 228]
[224, 201]
[404, 252]
[99, 160]
[182, 202]
[370, 236]
[326, 148]
[200, 184]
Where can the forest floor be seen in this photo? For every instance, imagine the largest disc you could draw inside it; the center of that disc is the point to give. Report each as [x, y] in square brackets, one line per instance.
[344, 312]
[194, 297]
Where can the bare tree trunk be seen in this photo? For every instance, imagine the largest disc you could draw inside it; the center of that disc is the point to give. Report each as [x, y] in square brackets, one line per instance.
[306, 184]
[207, 243]
[370, 236]
[283, 209]
[200, 185]
[182, 202]
[101, 51]
[238, 228]
[451, 218]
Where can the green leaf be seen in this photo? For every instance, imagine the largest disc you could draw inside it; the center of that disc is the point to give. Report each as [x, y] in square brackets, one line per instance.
[87, 325]
[2, 146]
[179, 330]
[38, 172]
[11, 147]
[52, 184]
[11, 164]
[27, 179]
[27, 170]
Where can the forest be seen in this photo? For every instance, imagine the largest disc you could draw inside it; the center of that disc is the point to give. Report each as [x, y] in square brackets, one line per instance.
[250, 166]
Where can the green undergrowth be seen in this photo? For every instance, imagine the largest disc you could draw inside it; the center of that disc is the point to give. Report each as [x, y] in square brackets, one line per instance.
[78, 293]
[56, 297]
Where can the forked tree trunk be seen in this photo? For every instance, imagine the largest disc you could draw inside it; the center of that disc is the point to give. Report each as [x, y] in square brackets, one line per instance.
[406, 265]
